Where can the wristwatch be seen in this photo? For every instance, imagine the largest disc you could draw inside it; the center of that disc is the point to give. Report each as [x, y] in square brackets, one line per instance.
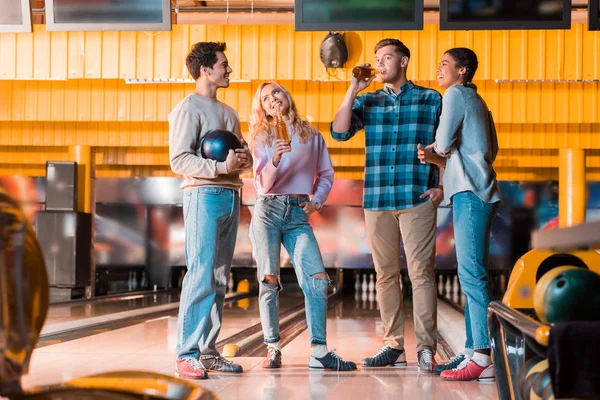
[318, 205]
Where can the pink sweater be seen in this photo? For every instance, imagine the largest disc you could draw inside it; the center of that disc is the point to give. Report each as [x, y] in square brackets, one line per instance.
[306, 169]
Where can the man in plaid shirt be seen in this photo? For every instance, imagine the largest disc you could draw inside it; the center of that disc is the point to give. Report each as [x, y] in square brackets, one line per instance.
[400, 198]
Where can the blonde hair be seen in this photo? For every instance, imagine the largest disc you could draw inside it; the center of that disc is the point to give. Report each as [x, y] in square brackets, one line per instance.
[261, 125]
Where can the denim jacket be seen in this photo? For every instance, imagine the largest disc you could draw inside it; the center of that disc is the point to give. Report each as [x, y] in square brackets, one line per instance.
[466, 135]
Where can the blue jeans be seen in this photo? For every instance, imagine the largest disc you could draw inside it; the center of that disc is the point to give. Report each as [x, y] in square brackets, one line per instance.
[277, 220]
[211, 216]
[473, 219]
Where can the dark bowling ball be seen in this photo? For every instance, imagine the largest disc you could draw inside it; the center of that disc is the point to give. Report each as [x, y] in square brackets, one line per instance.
[573, 295]
[216, 144]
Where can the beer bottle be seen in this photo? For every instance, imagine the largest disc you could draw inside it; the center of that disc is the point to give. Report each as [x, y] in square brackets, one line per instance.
[281, 129]
[363, 73]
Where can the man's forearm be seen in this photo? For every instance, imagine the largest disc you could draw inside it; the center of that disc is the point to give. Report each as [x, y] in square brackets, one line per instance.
[341, 122]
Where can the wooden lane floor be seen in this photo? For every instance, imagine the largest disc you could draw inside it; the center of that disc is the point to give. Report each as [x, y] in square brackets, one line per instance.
[354, 332]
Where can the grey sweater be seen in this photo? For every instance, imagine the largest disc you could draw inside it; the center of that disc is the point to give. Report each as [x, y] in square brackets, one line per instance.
[191, 119]
[466, 135]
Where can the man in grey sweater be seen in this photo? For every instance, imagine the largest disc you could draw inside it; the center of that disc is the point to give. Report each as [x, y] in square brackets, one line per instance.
[211, 208]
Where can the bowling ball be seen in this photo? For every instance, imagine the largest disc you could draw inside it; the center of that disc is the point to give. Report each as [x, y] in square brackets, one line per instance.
[540, 290]
[534, 371]
[573, 295]
[216, 144]
[548, 393]
[540, 383]
[523, 372]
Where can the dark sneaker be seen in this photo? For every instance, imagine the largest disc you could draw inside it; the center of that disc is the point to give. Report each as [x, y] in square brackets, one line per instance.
[190, 368]
[453, 363]
[219, 364]
[426, 360]
[331, 361]
[386, 356]
[273, 359]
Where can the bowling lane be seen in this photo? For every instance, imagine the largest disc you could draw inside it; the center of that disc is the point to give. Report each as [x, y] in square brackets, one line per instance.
[148, 346]
[354, 332]
[241, 314]
[66, 312]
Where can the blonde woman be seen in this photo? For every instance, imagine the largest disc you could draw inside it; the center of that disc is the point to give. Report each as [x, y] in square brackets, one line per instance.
[292, 180]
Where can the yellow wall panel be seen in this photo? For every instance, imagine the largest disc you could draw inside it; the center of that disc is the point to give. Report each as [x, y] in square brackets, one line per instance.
[155, 134]
[590, 57]
[277, 51]
[145, 54]
[131, 171]
[76, 54]
[31, 100]
[25, 59]
[114, 100]
[57, 101]
[231, 35]
[59, 61]
[198, 33]
[109, 62]
[18, 101]
[248, 48]
[22, 170]
[517, 174]
[26, 155]
[84, 100]
[44, 98]
[162, 66]
[70, 104]
[8, 61]
[92, 58]
[127, 56]
[41, 53]
[573, 57]
[517, 77]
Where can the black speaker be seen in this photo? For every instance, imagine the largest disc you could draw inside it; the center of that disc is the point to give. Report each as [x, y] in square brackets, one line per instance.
[61, 186]
[66, 242]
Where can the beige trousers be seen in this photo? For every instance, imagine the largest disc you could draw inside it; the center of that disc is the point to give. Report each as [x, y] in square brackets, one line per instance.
[416, 228]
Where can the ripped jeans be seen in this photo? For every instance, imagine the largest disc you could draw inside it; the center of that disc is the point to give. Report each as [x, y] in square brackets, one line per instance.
[277, 220]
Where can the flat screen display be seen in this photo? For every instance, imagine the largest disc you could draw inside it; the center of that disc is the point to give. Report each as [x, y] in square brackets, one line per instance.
[594, 15]
[358, 15]
[15, 16]
[504, 14]
[108, 15]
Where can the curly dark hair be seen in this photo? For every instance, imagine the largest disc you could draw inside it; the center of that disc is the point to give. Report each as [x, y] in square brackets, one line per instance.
[400, 47]
[465, 58]
[203, 54]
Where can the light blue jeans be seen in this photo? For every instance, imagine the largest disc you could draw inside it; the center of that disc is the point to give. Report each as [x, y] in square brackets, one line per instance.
[277, 220]
[473, 219]
[211, 216]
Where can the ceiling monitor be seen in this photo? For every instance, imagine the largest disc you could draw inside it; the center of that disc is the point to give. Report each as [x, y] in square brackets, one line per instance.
[358, 15]
[15, 16]
[108, 15]
[504, 14]
[594, 15]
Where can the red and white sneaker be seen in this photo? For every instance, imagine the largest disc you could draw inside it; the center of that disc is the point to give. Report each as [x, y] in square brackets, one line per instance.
[190, 368]
[469, 370]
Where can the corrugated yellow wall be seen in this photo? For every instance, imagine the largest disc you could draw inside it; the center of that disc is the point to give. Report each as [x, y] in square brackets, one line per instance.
[102, 100]
[60, 89]
[277, 52]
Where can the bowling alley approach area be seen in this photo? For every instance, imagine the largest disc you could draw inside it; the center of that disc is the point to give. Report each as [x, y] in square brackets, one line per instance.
[299, 199]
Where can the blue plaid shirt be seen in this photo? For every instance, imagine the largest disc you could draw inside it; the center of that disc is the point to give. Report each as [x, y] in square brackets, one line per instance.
[394, 125]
